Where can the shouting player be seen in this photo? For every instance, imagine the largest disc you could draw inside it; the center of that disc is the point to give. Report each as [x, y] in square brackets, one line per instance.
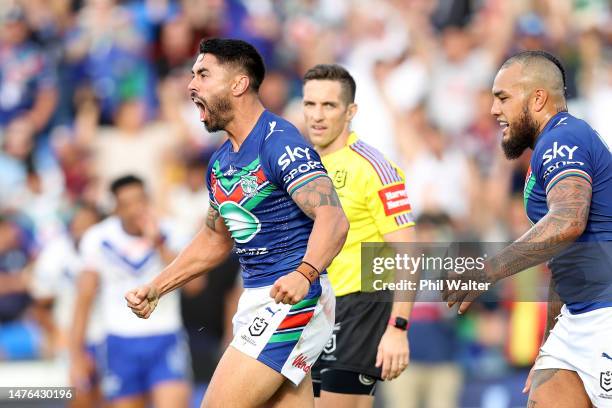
[271, 197]
[369, 341]
[568, 198]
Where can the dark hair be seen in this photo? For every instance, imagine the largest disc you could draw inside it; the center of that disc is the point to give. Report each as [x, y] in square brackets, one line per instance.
[238, 53]
[334, 72]
[81, 205]
[127, 180]
[524, 57]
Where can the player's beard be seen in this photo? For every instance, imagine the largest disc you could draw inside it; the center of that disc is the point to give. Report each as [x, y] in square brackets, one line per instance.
[522, 134]
[219, 113]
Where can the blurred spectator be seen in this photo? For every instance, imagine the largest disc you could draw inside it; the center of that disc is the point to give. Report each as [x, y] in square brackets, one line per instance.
[274, 91]
[187, 203]
[54, 289]
[377, 36]
[19, 338]
[481, 138]
[442, 179]
[177, 47]
[53, 284]
[28, 84]
[14, 155]
[133, 146]
[255, 22]
[114, 54]
[206, 17]
[597, 81]
[459, 71]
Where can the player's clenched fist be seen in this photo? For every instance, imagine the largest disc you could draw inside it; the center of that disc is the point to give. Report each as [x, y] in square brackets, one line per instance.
[142, 300]
[290, 289]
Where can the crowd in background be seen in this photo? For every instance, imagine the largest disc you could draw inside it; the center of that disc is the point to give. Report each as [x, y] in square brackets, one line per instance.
[94, 89]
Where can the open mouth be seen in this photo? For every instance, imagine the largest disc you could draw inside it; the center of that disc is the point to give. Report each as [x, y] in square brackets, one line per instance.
[201, 107]
[504, 125]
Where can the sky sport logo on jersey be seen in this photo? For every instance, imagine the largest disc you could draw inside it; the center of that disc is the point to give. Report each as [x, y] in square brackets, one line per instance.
[292, 154]
[557, 151]
[301, 363]
[564, 153]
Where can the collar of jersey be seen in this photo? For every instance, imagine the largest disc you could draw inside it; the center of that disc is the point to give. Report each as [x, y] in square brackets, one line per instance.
[250, 136]
[551, 124]
[351, 139]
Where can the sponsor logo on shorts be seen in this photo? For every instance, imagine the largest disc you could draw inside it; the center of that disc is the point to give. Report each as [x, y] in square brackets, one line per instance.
[258, 326]
[605, 381]
[330, 346]
[301, 363]
[272, 312]
[247, 339]
[366, 379]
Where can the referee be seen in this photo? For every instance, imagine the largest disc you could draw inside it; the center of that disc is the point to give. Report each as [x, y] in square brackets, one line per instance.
[369, 341]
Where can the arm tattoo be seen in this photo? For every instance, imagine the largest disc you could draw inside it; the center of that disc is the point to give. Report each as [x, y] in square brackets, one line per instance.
[318, 193]
[211, 218]
[568, 202]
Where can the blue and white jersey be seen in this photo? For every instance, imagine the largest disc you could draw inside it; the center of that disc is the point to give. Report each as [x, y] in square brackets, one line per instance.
[124, 262]
[570, 147]
[56, 272]
[252, 189]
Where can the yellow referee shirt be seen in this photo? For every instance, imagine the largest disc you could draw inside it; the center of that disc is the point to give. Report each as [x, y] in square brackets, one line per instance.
[373, 195]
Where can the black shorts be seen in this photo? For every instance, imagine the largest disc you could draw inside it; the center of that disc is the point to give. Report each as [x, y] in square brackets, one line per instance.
[361, 321]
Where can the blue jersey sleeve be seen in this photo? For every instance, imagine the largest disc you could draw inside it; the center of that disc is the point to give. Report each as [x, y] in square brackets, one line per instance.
[211, 183]
[289, 161]
[562, 153]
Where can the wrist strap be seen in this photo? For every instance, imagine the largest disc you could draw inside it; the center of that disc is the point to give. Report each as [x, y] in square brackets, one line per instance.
[308, 271]
[393, 322]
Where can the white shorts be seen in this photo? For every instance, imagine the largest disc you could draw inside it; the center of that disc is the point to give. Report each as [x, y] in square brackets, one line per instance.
[286, 338]
[583, 343]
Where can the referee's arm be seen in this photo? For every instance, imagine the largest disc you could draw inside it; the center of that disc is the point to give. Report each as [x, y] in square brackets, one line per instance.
[393, 350]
